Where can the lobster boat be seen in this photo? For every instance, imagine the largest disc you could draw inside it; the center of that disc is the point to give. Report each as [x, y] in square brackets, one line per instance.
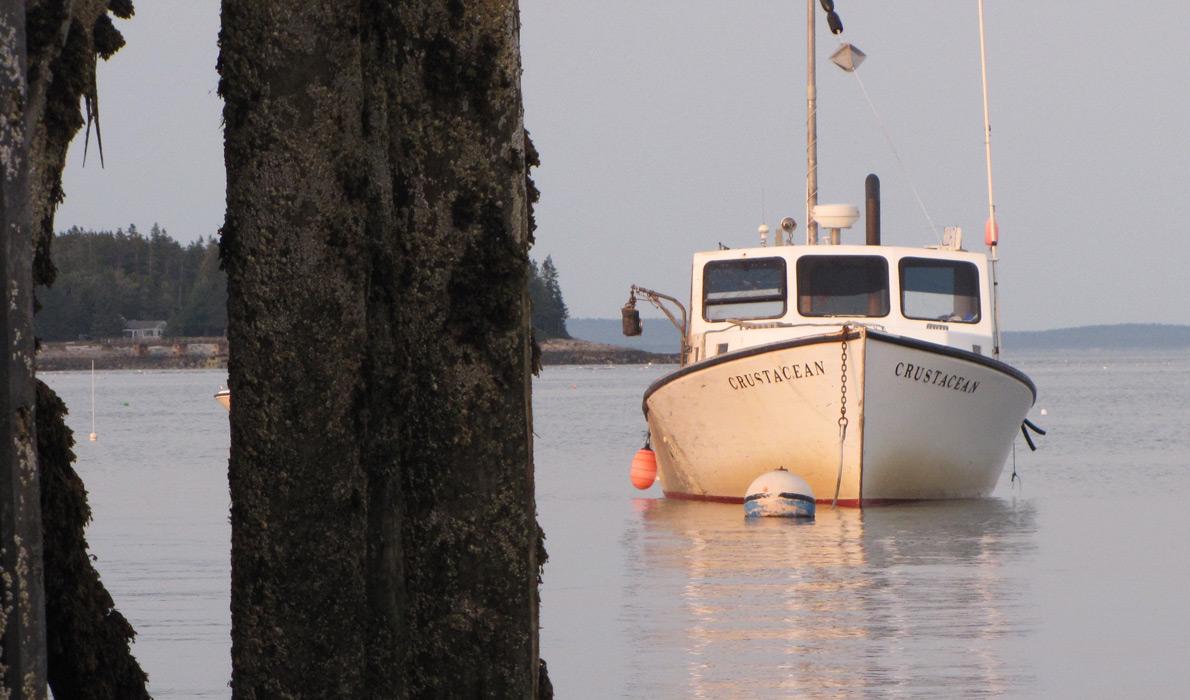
[871, 371]
[867, 370]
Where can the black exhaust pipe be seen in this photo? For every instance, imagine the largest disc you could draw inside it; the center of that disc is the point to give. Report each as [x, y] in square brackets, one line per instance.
[872, 215]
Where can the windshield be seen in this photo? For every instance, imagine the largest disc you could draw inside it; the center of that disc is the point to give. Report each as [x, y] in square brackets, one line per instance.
[743, 289]
[842, 285]
[940, 290]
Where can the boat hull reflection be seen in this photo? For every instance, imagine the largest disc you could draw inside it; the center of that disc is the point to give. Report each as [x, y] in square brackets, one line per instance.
[890, 599]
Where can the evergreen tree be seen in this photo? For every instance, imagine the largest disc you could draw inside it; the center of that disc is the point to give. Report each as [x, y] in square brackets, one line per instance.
[545, 295]
[204, 312]
[549, 275]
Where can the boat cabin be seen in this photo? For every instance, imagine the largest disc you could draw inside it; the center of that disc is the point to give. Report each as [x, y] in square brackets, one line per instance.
[751, 296]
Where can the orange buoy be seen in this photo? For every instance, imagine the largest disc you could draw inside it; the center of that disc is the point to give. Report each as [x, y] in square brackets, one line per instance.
[644, 468]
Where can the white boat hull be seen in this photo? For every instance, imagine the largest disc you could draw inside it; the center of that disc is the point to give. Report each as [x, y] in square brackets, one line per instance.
[924, 421]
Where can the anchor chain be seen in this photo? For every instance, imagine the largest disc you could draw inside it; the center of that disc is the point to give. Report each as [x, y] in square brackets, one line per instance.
[842, 415]
[843, 389]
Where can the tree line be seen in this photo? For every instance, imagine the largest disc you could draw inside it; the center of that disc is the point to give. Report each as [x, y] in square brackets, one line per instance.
[108, 277]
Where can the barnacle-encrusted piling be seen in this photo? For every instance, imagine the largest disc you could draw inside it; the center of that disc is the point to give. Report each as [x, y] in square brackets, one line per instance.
[48, 50]
[384, 539]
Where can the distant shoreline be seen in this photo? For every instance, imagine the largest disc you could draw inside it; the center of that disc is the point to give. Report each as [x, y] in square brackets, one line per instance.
[572, 351]
[122, 353]
[1122, 335]
[211, 353]
[660, 336]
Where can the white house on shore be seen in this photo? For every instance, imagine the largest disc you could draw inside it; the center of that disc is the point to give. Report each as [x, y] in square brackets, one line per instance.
[141, 330]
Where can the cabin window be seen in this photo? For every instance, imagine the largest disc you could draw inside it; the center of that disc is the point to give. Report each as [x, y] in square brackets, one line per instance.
[842, 285]
[743, 289]
[940, 290]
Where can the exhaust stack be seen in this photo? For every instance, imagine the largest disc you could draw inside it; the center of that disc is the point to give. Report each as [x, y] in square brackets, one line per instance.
[872, 215]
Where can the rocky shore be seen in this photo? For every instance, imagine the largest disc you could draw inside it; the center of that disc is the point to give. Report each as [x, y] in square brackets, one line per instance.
[582, 352]
[211, 353]
[154, 353]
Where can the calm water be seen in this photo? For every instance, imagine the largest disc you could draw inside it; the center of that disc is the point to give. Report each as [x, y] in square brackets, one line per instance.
[1072, 585]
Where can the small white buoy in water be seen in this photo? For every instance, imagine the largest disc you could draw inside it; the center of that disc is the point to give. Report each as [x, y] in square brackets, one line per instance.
[779, 494]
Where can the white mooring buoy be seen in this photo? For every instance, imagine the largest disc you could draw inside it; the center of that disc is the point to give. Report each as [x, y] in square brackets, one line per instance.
[779, 494]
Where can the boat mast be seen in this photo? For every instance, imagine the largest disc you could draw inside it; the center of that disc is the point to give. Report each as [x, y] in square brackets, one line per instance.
[811, 129]
[991, 234]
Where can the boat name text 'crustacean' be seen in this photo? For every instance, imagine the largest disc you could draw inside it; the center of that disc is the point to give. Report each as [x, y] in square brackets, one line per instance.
[936, 377]
[777, 375]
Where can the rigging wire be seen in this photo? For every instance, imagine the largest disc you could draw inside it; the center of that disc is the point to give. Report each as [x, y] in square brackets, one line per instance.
[897, 156]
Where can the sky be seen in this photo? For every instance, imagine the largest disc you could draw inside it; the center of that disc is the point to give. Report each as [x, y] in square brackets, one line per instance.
[668, 126]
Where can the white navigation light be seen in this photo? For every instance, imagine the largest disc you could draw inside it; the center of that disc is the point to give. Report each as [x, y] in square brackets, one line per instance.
[848, 57]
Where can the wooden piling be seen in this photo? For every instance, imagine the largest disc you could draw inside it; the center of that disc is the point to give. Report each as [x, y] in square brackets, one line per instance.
[22, 624]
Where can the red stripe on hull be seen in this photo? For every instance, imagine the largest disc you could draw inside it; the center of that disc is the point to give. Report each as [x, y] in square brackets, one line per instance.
[845, 502]
[677, 496]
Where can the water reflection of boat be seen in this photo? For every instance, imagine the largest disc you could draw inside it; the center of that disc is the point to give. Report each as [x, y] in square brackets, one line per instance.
[871, 371]
[908, 600]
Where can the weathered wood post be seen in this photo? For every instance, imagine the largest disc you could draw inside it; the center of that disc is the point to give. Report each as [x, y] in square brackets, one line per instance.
[22, 623]
[384, 539]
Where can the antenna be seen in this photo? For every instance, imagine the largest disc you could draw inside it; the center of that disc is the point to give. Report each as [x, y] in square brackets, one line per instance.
[811, 129]
[987, 125]
[991, 235]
